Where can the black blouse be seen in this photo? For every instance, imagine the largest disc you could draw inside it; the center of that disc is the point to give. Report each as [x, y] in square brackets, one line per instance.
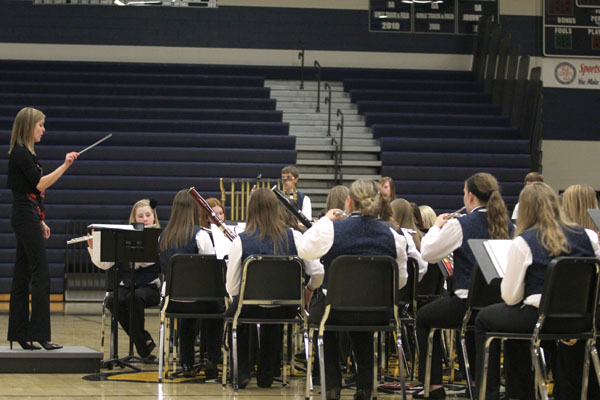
[24, 173]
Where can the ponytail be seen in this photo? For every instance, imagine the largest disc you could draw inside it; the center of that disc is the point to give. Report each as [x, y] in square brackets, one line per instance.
[485, 187]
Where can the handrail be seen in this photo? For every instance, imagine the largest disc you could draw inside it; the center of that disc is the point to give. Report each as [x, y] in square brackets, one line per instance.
[301, 57]
[328, 101]
[340, 127]
[337, 157]
[318, 76]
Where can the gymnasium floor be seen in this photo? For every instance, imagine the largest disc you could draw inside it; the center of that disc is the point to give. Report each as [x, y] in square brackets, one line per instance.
[77, 324]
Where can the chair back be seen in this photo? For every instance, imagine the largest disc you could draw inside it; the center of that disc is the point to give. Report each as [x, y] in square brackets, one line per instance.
[482, 294]
[194, 277]
[406, 295]
[272, 280]
[362, 283]
[570, 288]
[432, 284]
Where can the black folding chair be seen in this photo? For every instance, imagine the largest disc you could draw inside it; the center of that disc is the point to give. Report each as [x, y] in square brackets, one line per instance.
[570, 295]
[191, 278]
[269, 281]
[347, 294]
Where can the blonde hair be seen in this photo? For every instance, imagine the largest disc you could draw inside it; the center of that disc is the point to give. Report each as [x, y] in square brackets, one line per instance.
[336, 198]
[405, 218]
[22, 130]
[485, 187]
[390, 181]
[185, 214]
[368, 199]
[212, 202]
[539, 208]
[428, 216]
[576, 200]
[144, 203]
[264, 217]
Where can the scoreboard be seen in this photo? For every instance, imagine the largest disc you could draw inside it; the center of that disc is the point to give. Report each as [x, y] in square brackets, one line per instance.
[436, 16]
[572, 28]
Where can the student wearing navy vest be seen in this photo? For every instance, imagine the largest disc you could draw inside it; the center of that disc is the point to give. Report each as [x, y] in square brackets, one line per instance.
[184, 235]
[486, 218]
[28, 185]
[266, 233]
[542, 234]
[290, 176]
[360, 234]
[146, 284]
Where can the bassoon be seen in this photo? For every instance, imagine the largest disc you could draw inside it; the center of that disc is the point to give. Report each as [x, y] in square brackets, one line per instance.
[212, 215]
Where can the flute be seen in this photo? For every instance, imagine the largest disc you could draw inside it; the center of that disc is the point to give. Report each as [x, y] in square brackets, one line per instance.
[456, 213]
[79, 239]
[212, 216]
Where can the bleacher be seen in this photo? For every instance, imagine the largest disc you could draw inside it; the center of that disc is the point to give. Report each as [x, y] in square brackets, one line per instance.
[173, 126]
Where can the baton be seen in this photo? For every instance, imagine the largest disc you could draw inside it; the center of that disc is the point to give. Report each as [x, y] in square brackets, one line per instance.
[95, 144]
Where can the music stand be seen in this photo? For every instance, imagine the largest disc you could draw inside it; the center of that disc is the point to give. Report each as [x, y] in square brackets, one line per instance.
[484, 260]
[125, 243]
[594, 214]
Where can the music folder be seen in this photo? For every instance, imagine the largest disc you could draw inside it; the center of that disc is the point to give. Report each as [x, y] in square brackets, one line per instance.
[491, 256]
[594, 214]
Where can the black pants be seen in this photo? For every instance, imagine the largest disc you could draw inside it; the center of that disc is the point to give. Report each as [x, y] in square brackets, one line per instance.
[445, 313]
[517, 353]
[147, 296]
[31, 266]
[187, 330]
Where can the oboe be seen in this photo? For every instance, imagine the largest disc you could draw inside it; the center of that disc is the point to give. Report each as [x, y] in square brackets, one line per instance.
[212, 216]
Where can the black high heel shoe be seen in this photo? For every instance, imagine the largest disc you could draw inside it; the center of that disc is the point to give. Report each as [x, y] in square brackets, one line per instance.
[25, 345]
[49, 346]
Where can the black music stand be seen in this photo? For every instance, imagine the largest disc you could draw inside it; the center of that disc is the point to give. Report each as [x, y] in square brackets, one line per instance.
[483, 259]
[125, 243]
[594, 214]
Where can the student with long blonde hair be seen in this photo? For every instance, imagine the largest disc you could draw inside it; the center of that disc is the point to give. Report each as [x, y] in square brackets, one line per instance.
[486, 218]
[184, 235]
[266, 233]
[542, 234]
[405, 219]
[576, 200]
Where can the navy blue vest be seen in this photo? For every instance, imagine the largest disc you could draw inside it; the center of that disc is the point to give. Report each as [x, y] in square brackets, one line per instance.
[251, 244]
[578, 242]
[359, 235]
[474, 226]
[190, 248]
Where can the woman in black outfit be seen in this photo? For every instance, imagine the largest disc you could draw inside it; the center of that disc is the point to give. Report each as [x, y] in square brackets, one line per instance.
[28, 185]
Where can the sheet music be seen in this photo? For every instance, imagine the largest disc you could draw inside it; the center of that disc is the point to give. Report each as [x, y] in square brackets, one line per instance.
[498, 252]
[112, 226]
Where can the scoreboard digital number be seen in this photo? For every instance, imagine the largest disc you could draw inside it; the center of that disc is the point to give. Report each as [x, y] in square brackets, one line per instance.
[437, 16]
[572, 28]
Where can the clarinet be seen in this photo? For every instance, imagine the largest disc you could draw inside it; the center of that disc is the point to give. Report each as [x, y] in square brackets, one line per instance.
[212, 216]
[290, 207]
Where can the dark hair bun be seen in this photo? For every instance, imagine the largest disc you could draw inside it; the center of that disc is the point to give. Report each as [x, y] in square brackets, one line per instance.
[153, 204]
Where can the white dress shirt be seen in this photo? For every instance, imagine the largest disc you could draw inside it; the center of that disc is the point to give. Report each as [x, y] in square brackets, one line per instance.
[519, 259]
[317, 241]
[412, 252]
[307, 208]
[313, 268]
[438, 243]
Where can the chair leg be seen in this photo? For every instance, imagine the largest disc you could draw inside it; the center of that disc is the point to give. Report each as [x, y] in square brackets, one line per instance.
[463, 345]
[594, 353]
[168, 335]
[586, 371]
[235, 358]
[103, 326]
[382, 357]
[320, 346]
[294, 350]
[401, 360]
[375, 356]
[427, 379]
[284, 356]
[450, 346]
[224, 349]
[308, 355]
[161, 349]
[540, 383]
[484, 373]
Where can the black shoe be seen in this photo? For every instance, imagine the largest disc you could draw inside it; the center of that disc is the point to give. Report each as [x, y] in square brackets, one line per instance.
[210, 370]
[243, 381]
[333, 394]
[362, 394]
[264, 381]
[26, 345]
[149, 359]
[188, 370]
[438, 393]
[49, 346]
[151, 347]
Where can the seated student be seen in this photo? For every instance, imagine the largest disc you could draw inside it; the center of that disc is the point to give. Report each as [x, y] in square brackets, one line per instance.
[428, 216]
[359, 234]
[183, 235]
[405, 219]
[541, 235]
[336, 198]
[529, 179]
[388, 188]
[290, 176]
[486, 218]
[146, 283]
[265, 233]
[576, 200]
